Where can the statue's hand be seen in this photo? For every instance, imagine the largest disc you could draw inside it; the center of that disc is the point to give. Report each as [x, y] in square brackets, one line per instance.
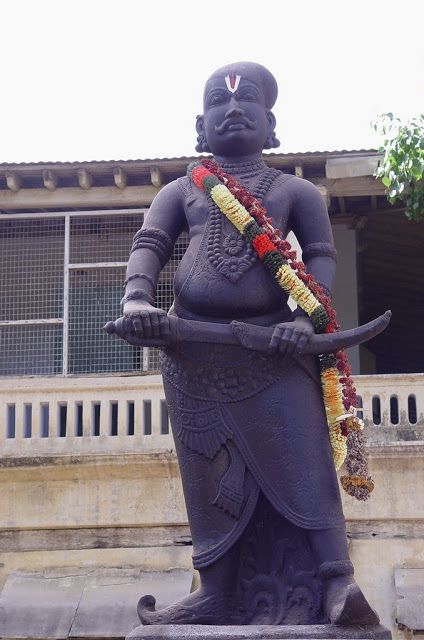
[146, 320]
[290, 337]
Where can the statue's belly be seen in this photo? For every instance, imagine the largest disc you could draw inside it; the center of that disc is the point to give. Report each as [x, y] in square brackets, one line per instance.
[227, 288]
[219, 275]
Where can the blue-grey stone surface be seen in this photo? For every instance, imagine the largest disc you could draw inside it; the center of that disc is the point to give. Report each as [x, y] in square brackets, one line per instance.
[258, 632]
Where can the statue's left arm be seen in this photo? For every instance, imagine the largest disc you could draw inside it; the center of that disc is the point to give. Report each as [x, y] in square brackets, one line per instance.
[310, 223]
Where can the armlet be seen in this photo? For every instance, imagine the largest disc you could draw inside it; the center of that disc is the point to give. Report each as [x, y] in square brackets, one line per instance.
[318, 249]
[156, 240]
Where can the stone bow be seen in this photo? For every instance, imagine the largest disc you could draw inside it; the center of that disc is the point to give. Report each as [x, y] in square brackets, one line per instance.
[247, 335]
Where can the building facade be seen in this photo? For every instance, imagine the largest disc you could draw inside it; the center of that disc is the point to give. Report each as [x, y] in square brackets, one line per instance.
[88, 469]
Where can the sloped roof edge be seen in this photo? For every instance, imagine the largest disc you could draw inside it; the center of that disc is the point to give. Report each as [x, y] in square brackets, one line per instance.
[308, 155]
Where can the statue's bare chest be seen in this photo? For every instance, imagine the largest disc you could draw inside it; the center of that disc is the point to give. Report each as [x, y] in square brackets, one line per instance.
[222, 245]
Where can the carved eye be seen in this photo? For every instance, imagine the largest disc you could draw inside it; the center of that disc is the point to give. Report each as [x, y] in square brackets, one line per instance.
[248, 95]
[216, 99]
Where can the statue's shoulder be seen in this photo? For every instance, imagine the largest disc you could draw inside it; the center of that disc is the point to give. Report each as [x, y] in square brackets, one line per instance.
[277, 184]
[169, 195]
[185, 187]
[303, 187]
[296, 189]
[173, 189]
[168, 202]
[293, 183]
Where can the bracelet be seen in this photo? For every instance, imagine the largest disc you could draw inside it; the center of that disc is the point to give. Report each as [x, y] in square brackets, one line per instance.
[318, 250]
[138, 294]
[134, 276]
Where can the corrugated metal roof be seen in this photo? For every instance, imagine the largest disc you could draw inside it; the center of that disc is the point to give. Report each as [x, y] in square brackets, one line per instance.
[286, 155]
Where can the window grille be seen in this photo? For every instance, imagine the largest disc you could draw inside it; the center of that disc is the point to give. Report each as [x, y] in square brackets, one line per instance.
[61, 278]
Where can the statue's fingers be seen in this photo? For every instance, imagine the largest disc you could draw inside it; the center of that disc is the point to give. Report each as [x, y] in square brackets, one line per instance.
[274, 344]
[155, 323]
[126, 324]
[165, 329]
[302, 342]
[291, 339]
[138, 326]
[132, 339]
[284, 341]
[147, 324]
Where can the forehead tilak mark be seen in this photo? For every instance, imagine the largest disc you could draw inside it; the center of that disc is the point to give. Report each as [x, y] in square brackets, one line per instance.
[232, 82]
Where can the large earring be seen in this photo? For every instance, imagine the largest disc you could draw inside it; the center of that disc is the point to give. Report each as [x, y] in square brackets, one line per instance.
[271, 142]
[202, 144]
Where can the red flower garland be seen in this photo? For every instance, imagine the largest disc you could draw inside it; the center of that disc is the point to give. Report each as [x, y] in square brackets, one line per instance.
[258, 212]
[263, 245]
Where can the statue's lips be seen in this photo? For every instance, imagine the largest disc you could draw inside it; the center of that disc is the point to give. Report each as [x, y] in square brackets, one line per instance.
[235, 125]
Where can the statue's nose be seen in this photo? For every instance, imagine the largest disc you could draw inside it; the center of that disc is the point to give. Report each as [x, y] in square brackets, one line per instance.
[234, 109]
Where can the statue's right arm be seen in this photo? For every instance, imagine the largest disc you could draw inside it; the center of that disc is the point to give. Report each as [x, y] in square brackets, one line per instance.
[152, 247]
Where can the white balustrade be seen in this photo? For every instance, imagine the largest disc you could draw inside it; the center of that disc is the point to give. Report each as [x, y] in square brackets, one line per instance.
[392, 400]
[122, 414]
[83, 415]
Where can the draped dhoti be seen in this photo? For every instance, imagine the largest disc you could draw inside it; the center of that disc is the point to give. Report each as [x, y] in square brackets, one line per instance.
[246, 423]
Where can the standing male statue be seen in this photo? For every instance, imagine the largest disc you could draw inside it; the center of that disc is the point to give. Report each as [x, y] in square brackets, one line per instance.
[250, 428]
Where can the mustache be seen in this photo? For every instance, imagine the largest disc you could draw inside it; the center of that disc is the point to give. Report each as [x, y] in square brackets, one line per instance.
[250, 124]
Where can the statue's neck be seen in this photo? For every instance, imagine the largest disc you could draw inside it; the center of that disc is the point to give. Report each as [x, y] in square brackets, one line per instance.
[243, 166]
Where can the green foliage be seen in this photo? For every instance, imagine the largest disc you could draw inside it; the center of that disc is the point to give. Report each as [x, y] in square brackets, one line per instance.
[402, 167]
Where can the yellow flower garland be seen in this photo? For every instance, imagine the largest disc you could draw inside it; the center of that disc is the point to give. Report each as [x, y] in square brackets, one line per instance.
[237, 214]
[290, 282]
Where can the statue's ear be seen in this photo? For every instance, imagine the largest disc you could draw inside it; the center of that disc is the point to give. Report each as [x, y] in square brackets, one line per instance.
[272, 141]
[201, 145]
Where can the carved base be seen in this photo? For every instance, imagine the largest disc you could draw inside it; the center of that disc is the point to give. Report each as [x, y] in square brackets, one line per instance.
[258, 632]
[277, 583]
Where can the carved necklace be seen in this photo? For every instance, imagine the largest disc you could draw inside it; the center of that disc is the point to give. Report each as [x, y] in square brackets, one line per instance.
[229, 253]
[249, 217]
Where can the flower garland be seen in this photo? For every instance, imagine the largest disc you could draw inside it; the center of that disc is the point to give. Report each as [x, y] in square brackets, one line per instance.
[249, 217]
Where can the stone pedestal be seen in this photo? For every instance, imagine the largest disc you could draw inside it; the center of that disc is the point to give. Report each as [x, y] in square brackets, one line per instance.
[258, 632]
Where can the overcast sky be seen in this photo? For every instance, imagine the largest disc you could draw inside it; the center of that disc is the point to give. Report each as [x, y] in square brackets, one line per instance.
[121, 79]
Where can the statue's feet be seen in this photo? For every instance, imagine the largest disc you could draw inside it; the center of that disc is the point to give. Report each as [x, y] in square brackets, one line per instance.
[199, 607]
[344, 602]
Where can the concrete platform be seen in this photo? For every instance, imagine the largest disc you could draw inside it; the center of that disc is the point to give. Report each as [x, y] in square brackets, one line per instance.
[258, 632]
[89, 603]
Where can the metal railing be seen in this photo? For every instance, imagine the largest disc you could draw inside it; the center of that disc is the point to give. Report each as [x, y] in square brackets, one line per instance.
[61, 276]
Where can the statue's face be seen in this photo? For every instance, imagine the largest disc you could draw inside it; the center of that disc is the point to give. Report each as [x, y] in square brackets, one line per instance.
[236, 121]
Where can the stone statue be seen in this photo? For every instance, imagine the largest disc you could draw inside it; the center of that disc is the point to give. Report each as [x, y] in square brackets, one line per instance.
[250, 429]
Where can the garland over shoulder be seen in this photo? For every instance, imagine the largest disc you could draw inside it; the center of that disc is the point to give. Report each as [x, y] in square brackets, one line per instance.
[250, 218]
